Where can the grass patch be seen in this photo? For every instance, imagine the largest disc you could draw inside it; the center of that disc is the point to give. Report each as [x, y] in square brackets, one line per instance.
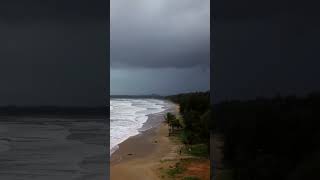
[178, 169]
[198, 150]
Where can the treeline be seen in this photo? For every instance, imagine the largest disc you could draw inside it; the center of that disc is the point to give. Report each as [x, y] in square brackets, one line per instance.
[137, 96]
[195, 111]
[276, 138]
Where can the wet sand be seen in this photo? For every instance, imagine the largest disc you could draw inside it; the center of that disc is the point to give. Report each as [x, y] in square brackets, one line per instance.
[140, 156]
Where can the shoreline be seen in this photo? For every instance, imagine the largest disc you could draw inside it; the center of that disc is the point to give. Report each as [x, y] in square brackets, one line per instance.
[139, 156]
[152, 122]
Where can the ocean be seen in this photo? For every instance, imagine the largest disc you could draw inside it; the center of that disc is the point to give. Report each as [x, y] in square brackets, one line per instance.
[52, 147]
[128, 117]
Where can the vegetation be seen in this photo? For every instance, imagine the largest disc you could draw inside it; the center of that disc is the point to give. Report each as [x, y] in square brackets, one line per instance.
[178, 169]
[191, 126]
[195, 111]
[173, 122]
[276, 138]
[188, 169]
[198, 150]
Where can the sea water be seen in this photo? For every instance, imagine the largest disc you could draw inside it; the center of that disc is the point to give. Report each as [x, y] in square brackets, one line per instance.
[127, 117]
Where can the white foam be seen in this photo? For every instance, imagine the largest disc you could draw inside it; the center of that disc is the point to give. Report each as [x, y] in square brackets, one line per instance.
[128, 116]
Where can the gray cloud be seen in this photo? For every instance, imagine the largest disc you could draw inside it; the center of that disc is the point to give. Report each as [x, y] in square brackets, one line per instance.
[160, 34]
[53, 53]
[160, 46]
[265, 50]
[51, 10]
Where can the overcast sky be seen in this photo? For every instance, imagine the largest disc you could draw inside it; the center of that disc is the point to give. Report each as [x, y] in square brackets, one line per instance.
[160, 46]
[53, 52]
[265, 48]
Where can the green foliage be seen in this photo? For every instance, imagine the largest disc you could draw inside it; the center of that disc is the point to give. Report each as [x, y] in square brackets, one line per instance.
[186, 137]
[199, 150]
[178, 169]
[173, 123]
[170, 117]
[270, 138]
[196, 116]
[199, 101]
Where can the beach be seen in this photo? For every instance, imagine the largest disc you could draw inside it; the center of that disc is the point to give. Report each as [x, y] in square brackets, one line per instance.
[139, 157]
[152, 153]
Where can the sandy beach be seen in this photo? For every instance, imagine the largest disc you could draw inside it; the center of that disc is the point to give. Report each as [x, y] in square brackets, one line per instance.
[139, 157]
[147, 155]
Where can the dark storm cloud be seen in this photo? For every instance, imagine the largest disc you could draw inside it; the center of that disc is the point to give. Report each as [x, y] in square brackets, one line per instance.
[265, 49]
[160, 34]
[252, 9]
[46, 10]
[53, 53]
[160, 46]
